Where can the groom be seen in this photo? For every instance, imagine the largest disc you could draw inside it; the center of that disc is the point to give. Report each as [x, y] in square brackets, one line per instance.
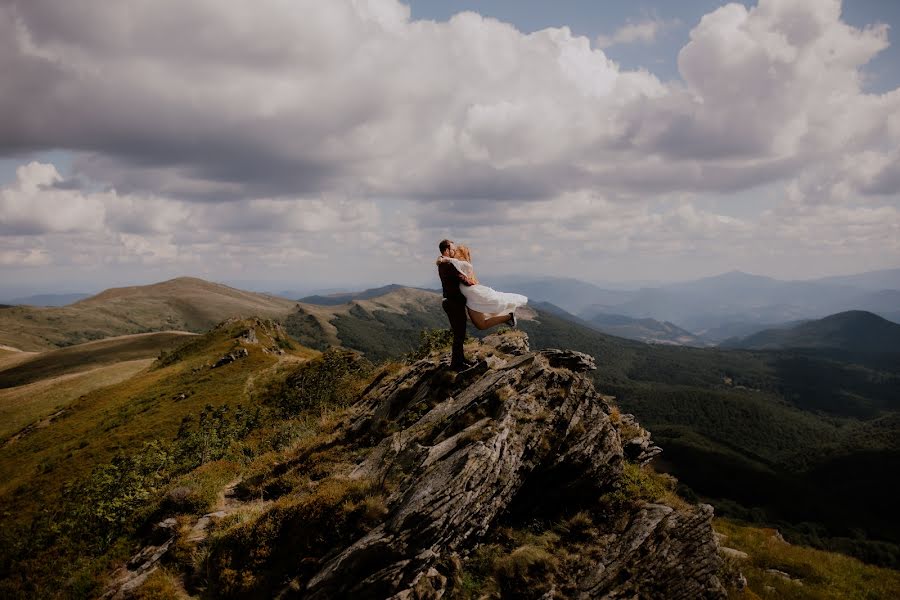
[454, 303]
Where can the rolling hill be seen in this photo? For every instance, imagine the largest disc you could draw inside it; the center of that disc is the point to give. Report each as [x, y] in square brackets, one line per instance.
[185, 303]
[855, 331]
[73, 482]
[37, 385]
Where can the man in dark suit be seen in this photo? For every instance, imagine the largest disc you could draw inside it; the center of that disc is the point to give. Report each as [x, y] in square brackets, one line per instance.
[454, 304]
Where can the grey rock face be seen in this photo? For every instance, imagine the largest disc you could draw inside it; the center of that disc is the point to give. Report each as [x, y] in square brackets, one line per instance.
[520, 431]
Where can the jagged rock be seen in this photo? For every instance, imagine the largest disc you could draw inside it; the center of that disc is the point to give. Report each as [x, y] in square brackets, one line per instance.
[663, 553]
[515, 343]
[524, 433]
[570, 359]
[636, 442]
[249, 336]
[138, 568]
[231, 357]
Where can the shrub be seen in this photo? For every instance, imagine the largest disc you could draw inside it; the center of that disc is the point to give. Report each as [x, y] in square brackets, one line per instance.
[636, 485]
[430, 340]
[526, 573]
[331, 380]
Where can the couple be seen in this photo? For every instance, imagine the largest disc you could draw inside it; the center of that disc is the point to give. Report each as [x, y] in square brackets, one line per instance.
[462, 292]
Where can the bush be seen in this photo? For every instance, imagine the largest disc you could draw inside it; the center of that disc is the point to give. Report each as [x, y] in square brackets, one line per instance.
[430, 340]
[526, 573]
[331, 380]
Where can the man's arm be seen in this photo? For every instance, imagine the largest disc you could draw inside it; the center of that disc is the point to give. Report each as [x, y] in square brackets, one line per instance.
[443, 263]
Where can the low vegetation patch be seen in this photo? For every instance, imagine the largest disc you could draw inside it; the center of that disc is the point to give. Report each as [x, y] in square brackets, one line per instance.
[777, 569]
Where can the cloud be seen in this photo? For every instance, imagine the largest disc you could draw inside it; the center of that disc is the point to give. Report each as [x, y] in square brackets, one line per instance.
[354, 98]
[33, 205]
[222, 131]
[644, 32]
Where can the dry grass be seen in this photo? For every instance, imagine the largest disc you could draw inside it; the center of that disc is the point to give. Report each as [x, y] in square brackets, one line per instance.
[81, 357]
[25, 404]
[118, 417]
[10, 357]
[820, 574]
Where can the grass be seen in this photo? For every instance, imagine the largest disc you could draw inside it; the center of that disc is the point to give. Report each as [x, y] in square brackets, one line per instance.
[166, 442]
[823, 575]
[54, 363]
[120, 417]
[25, 404]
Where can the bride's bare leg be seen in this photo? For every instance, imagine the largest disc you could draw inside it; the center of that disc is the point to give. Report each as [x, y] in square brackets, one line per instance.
[481, 321]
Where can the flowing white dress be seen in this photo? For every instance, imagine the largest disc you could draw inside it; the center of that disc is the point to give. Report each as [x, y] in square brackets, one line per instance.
[484, 299]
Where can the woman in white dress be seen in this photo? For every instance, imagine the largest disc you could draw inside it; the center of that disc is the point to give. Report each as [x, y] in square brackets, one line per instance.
[487, 307]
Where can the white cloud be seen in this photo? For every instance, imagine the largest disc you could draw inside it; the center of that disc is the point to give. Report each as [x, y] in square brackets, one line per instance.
[233, 132]
[33, 205]
[644, 32]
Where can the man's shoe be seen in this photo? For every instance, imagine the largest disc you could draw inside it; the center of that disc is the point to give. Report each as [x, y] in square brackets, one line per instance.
[512, 321]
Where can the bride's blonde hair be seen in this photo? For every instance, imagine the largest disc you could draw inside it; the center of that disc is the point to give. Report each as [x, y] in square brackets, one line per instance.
[463, 253]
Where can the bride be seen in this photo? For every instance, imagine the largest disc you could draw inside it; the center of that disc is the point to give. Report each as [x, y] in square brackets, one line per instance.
[487, 307]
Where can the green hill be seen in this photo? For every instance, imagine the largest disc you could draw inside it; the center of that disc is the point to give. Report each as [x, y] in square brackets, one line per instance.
[72, 485]
[185, 303]
[36, 385]
[855, 331]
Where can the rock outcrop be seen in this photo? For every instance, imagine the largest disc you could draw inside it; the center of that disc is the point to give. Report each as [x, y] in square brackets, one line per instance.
[521, 437]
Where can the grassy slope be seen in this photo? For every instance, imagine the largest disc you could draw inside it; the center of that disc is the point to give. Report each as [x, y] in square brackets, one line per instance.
[184, 303]
[26, 404]
[822, 575]
[54, 363]
[121, 416]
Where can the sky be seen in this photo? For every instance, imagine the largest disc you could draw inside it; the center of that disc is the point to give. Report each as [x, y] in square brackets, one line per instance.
[300, 144]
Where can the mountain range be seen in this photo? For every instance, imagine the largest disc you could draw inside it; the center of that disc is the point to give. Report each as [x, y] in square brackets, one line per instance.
[788, 435]
[716, 308]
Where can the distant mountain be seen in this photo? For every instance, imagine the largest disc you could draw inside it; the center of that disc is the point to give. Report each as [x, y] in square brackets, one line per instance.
[344, 297]
[644, 330]
[857, 331]
[739, 329]
[885, 279]
[49, 299]
[572, 295]
[185, 303]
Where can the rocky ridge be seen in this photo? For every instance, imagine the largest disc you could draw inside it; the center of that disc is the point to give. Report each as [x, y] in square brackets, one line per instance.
[449, 464]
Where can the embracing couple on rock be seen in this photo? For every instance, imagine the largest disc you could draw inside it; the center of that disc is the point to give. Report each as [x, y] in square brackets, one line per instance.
[463, 294]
